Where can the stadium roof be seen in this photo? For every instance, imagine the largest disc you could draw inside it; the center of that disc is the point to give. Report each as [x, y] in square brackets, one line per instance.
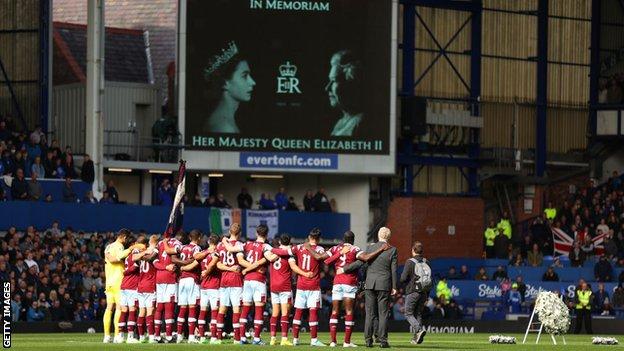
[126, 55]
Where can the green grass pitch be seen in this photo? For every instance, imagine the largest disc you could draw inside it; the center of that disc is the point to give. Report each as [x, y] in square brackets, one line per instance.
[398, 341]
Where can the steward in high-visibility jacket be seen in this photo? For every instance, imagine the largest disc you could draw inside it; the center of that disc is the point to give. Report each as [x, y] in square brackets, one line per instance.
[583, 309]
[489, 235]
[550, 212]
[443, 289]
[505, 226]
[583, 299]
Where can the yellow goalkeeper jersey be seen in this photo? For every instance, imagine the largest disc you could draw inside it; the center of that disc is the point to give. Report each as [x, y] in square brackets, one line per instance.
[114, 270]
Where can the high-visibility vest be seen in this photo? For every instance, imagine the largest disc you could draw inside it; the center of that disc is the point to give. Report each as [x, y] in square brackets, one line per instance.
[505, 226]
[551, 213]
[443, 289]
[583, 299]
[490, 234]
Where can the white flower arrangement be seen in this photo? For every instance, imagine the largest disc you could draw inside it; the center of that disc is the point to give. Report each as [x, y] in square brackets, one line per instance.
[502, 339]
[553, 313]
[597, 340]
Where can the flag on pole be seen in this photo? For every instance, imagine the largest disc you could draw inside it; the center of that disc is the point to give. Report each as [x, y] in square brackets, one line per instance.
[222, 218]
[177, 211]
[564, 243]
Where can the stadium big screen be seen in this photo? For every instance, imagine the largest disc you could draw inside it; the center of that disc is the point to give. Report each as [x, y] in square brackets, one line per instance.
[286, 85]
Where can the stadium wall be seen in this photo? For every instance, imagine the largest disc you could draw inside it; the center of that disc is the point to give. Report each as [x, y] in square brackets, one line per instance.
[457, 222]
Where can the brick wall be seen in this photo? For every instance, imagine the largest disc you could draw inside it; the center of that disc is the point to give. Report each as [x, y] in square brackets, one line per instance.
[428, 219]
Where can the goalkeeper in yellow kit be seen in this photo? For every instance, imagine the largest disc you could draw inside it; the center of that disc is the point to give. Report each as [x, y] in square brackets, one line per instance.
[114, 269]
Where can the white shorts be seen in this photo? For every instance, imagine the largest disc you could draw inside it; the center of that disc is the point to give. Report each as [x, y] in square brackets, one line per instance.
[146, 299]
[128, 298]
[188, 292]
[308, 299]
[254, 291]
[340, 291]
[209, 296]
[230, 296]
[164, 292]
[281, 297]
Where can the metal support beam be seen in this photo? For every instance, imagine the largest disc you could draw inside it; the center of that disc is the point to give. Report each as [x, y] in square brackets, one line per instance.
[475, 92]
[542, 88]
[16, 104]
[409, 62]
[95, 89]
[45, 40]
[438, 161]
[594, 68]
[458, 5]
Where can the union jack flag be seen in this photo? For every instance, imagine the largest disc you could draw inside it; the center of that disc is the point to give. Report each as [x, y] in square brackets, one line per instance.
[563, 243]
[177, 211]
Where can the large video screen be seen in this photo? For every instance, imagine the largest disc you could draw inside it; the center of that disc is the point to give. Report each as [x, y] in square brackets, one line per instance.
[279, 75]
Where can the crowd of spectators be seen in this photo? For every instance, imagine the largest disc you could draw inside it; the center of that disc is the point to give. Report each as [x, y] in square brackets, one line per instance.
[312, 202]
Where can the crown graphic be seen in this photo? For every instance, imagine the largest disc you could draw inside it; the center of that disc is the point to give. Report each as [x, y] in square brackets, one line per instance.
[220, 59]
[288, 70]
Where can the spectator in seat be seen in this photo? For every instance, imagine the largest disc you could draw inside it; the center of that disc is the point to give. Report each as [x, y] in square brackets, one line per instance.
[321, 201]
[266, 203]
[3, 197]
[550, 275]
[5, 134]
[37, 168]
[452, 310]
[535, 258]
[244, 200]
[196, 202]
[60, 170]
[34, 188]
[210, 201]
[489, 236]
[588, 247]
[521, 287]
[87, 171]
[16, 307]
[602, 228]
[601, 300]
[86, 312]
[89, 199]
[517, 261]
[501, 245]
[281, 199]
[68, 166]
[165, 194]
[106, 200]
[57, 313]
[610, 247]
[452, 274]
[35, 314]
[500, 274]
[49, 165]
[20, 162]
[398, 310]
[603, 271]
[69, 195]
[112, 191]
[618, 297]
[481, 275]
[576, 255]
[556, 263]
[8, 165]
[221, 202]
[19, 186]
[48, 198]
[292, 206]
[308, 201]
[463, 273]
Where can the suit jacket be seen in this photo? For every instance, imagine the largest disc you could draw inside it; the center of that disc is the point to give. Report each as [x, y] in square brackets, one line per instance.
[381, 272]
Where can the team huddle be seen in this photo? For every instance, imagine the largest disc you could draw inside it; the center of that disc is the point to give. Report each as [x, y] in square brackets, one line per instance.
[206, 283]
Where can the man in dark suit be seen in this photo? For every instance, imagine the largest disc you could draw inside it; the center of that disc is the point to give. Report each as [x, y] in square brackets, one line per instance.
[380, 284]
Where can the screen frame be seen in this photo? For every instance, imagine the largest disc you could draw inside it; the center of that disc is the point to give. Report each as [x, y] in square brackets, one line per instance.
[204, 160]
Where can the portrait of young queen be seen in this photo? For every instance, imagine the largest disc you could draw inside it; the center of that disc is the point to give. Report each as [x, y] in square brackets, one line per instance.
[229, 83]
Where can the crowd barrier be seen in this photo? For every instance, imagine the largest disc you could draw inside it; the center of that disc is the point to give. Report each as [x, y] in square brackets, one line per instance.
[53, 187]
[440, 267]
[153, 219]
[491, 290]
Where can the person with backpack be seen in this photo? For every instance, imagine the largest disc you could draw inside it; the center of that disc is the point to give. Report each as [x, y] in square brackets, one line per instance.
[417, 279]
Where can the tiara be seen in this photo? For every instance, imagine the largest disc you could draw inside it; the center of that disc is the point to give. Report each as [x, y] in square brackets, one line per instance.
[220, 59]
